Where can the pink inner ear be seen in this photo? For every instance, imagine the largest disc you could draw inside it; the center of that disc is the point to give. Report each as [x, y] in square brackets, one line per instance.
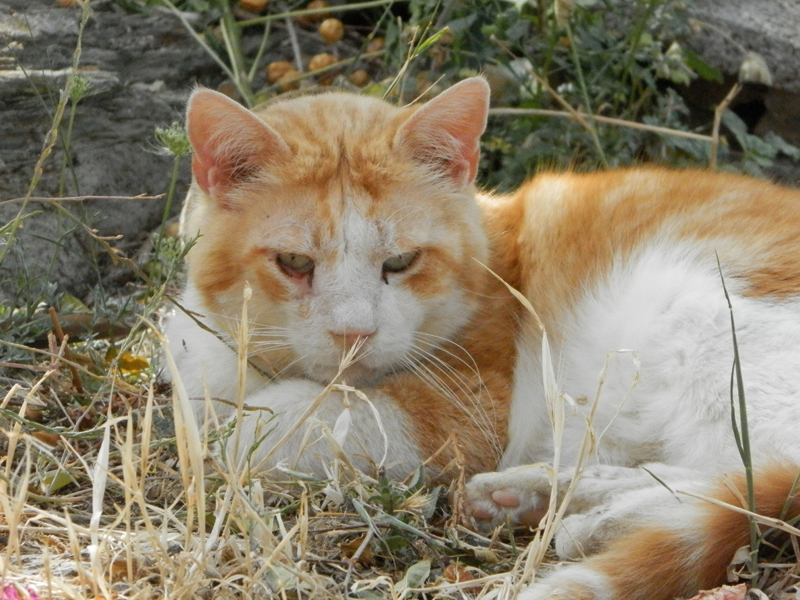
[229, 143]
[446, 131]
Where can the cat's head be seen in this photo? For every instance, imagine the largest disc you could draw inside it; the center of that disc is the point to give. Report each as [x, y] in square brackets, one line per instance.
[351, 220]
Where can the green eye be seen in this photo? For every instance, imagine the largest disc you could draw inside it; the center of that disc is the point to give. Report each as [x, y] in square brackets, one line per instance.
[296, 264]
[400, 262]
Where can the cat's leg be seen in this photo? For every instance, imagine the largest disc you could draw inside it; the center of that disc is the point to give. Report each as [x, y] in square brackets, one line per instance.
[522, 494]
[370, 434]
[653, 544]
[642, 541]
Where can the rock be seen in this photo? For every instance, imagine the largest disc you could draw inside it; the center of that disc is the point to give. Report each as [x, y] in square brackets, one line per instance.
[769, 27]
[141, 68]
[727, 30]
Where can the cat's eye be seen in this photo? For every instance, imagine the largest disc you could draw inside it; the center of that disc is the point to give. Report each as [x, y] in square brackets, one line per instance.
[296, 264]
[398, 263]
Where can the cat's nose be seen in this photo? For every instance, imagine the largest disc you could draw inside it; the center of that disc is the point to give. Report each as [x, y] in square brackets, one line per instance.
[348, 339]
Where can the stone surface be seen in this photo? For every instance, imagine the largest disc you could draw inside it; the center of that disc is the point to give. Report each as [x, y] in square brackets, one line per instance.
[727, 30]
[769, 27]
[141, 68]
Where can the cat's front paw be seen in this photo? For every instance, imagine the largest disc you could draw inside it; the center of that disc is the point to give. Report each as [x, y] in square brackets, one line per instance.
[519, 495]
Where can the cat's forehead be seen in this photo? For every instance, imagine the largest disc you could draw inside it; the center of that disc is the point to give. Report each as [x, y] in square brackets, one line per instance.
[339, 136]
[337, 216]
[346, 182]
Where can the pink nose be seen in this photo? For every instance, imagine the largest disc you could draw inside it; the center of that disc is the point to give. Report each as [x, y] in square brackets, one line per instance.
[349, 339]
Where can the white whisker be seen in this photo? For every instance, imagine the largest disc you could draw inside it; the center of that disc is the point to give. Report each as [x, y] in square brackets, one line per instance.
[426, 366]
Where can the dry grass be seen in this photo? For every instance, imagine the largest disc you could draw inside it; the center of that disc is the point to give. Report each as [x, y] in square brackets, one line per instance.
[107, 500]
[108, 490]
[116, 494]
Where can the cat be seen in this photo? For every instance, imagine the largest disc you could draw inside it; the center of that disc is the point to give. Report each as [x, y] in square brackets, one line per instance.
[359, 231]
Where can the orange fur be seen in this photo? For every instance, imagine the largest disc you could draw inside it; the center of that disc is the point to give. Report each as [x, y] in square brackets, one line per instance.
[662, 564]
[568, 228]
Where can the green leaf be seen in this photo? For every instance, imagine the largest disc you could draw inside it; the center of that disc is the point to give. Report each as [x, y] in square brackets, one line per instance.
[423, 46]
[701, 67]
[462, 23]
[414, 578]
[71, 304]
[781, 145]
[54, 480]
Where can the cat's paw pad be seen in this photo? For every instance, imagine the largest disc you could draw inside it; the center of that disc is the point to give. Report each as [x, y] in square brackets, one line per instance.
[519, 495]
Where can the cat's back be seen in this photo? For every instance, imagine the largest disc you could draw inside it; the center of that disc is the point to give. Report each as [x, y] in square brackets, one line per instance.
[574, 229]
[632, 260]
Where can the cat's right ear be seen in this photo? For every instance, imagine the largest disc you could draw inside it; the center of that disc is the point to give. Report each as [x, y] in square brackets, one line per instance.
[229, 143]
[445, 132]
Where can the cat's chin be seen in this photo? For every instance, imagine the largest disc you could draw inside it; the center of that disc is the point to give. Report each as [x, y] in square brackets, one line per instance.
[356, 375]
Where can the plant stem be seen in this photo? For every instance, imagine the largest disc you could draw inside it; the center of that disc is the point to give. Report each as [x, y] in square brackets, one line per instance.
[50, 138]
[66, 142]
[610, 120]
[633, 45]
[742, 434]
[585, 93]
[712, 163]
[172, 184]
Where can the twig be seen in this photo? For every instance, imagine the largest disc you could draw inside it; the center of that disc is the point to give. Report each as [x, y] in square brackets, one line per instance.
[80, 198]
[776, 523]
[63, 339]
[610, 120]
[717, 121]
[354, 559]
[319, 11]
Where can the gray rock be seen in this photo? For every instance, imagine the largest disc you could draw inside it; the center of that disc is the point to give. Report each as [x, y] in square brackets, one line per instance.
[727, 30]
[769, 27]
[141, 68]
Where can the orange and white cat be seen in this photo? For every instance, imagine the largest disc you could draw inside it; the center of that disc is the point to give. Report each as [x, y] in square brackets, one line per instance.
[358, 227]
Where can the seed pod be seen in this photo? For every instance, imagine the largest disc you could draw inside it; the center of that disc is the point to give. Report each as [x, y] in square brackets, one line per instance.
[277, 69]
[359, 78]
[228, 88]
[286, 83]
[376, 44]
[320, 61]
[311, 20]
[253, 5]
[331, 30]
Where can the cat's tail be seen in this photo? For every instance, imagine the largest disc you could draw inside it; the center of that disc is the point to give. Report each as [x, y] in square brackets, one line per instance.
[676, 559]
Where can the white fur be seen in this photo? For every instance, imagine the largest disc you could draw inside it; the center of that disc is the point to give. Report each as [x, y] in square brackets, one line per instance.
[666, 307]
[558, 587]
[208, 367]
[349, 295]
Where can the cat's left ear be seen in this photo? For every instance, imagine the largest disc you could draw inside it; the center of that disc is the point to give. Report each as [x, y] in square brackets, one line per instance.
[445, 133]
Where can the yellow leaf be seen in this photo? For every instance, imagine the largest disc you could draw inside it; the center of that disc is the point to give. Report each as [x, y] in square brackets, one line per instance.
[130, 363]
